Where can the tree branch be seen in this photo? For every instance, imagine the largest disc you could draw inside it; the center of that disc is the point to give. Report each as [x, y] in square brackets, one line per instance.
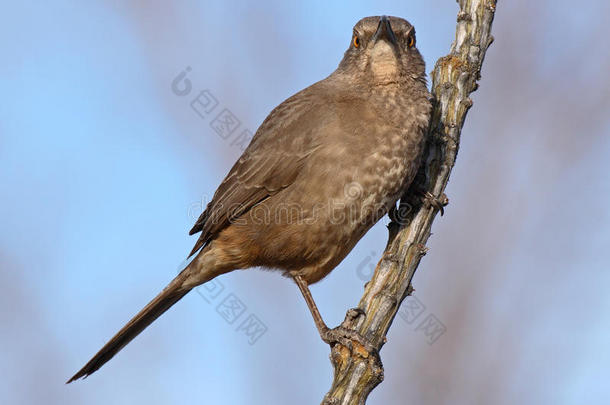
[357, 369]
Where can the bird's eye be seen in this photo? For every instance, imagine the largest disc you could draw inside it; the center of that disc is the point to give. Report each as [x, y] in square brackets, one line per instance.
[410, 41]
[356, 41]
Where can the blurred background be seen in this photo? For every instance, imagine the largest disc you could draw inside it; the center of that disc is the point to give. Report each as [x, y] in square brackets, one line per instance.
[104, 167]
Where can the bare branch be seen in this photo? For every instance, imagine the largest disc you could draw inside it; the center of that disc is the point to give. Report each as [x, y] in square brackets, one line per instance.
[358, 370]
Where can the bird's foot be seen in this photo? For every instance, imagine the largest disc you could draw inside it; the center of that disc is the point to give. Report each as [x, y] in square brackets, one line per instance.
[439, 203]
[346, 337]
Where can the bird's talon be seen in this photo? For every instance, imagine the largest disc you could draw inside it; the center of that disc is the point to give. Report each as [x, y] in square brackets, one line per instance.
[345, 337]
[438, 203]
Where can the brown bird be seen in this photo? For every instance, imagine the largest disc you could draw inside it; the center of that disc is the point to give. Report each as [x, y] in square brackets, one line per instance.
[321, 170]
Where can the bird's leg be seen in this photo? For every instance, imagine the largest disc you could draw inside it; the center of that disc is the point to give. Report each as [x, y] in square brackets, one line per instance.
[339, 334]
[317, 318]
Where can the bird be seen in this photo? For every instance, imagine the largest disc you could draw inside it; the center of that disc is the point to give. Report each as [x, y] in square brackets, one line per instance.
[324, 166]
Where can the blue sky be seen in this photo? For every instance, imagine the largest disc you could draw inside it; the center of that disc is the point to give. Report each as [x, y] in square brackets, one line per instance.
[103, 169]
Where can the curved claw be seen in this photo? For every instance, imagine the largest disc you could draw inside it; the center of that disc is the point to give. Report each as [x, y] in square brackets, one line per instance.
[438, 203]
[345, 337]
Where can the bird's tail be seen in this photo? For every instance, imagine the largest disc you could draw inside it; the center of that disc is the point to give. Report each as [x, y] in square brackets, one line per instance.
[171, 294]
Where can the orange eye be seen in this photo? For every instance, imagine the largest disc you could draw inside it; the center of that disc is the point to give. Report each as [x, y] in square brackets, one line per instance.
[356, 41]
[410, 41]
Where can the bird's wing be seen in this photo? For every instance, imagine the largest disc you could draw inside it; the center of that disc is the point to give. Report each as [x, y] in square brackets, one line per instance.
[270, 163]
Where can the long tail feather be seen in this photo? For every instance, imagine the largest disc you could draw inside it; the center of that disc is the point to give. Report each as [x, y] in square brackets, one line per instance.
[161, 303]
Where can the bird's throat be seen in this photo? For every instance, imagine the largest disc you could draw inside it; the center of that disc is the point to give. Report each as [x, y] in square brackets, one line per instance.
[384, 65]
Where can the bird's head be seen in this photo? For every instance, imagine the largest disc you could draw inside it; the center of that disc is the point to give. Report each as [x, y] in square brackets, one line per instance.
[383, 51]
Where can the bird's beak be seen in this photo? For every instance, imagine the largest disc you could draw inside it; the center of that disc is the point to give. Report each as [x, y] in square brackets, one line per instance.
[384, 31]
